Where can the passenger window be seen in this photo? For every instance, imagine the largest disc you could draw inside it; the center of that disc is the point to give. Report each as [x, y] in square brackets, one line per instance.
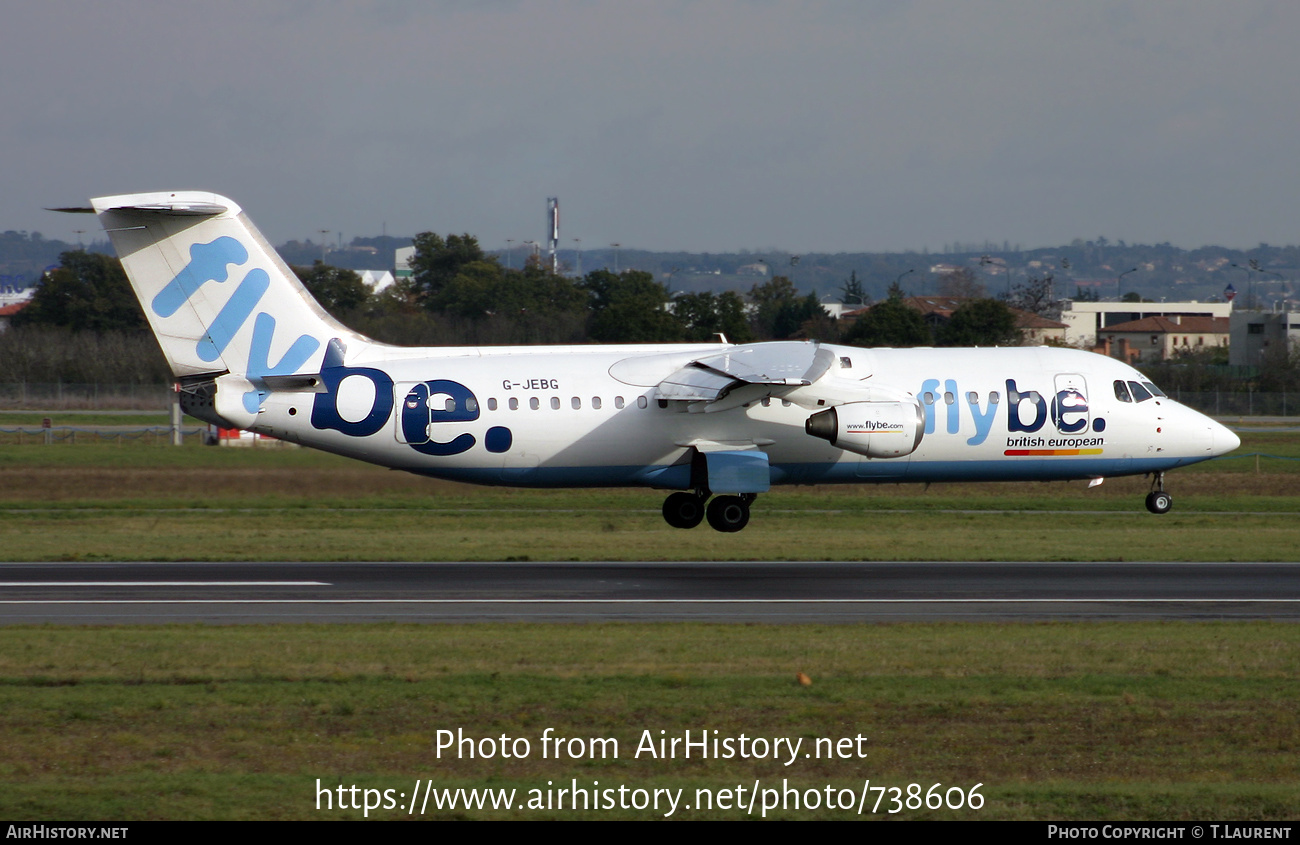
[994, 398]
[618, 402]
[1121, 392]
[514, 404]
[449, 405]
[1140, 393]
[948, 398]
[471, 404]
[534, 403]
[595, 402]
[576, 403]
[928, 397]
[555, 403]
[973, 398]
[641, 402]
[492, 404]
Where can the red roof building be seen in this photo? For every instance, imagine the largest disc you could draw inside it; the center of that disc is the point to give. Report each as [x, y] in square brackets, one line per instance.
[8, 311]
[1161, 338]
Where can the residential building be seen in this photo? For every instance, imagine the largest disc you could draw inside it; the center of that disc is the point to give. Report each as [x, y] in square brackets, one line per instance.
[1084, 320]
[1160, 338]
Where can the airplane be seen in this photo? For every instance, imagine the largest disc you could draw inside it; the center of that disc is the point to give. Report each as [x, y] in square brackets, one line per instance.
[714, 423]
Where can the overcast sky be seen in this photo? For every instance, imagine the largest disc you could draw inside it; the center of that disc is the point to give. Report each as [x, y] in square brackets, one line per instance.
[702, 126]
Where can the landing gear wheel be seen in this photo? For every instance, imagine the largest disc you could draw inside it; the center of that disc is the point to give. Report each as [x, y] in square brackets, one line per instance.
[728, 513]
[684, 510]
[1158, 501]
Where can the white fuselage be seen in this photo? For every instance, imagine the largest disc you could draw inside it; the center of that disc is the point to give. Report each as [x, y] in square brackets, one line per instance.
[589, 416]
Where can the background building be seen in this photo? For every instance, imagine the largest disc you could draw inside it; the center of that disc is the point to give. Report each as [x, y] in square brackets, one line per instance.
[1084, 320]
[1255, 332]
[1160, 338]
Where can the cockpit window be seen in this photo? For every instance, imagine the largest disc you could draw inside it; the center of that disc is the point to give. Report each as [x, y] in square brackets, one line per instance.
[1155, 391]
[1140, 393]
[1121, 392]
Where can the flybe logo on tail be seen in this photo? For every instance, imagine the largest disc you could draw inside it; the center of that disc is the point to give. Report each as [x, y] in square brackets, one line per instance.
[210, 262]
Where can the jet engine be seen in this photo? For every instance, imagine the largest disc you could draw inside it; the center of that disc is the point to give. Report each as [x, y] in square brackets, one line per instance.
[874, 429]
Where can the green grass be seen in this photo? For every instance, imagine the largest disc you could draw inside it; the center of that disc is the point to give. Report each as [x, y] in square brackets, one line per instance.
[1116, 721]
[1057, 721]
[617, 534]
[33, 419]
[137, 501]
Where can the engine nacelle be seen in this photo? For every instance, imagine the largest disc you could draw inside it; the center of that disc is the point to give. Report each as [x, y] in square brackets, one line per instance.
[874, 429]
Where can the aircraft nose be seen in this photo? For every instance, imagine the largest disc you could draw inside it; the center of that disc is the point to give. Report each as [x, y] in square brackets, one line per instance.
[1222, 439]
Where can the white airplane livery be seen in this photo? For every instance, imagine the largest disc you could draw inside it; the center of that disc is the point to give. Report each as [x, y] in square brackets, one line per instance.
[716, 424]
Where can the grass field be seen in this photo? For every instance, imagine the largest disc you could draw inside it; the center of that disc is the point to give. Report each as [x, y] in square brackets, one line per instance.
[1116, 721]
[135, 500]
[1055, 721]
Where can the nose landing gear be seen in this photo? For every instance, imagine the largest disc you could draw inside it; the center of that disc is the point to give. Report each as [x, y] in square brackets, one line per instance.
[1158, 501]
[727, 514]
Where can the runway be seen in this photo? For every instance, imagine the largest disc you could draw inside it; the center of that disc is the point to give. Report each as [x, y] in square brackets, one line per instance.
[789, 592]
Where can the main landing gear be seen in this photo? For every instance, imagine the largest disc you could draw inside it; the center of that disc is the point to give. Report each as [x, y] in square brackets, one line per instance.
[725, 513]
[1158, 501]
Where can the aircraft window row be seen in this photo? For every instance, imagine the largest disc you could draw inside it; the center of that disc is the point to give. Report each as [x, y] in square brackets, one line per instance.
[1133, 391]
[449, 404]
[535, 403]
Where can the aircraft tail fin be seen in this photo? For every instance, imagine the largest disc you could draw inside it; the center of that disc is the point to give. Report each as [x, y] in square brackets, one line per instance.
[223, 305]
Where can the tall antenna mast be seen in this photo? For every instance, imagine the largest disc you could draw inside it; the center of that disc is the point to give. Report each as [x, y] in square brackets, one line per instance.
[553, 221]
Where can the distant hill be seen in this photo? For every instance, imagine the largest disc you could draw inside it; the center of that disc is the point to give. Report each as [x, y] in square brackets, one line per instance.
[1151, 271]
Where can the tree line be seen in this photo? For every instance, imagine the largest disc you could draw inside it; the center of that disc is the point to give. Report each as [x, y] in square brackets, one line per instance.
[84, 324]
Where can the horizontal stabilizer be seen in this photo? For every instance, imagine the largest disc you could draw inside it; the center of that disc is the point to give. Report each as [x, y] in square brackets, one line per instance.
[176, 209]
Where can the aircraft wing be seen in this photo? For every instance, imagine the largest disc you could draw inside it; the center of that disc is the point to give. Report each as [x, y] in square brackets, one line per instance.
[777, 366]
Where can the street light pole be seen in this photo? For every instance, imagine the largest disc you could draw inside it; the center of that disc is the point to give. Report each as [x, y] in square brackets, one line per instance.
[1271, 273]
[1118, 297]
[1250, 285]
[616, 270]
